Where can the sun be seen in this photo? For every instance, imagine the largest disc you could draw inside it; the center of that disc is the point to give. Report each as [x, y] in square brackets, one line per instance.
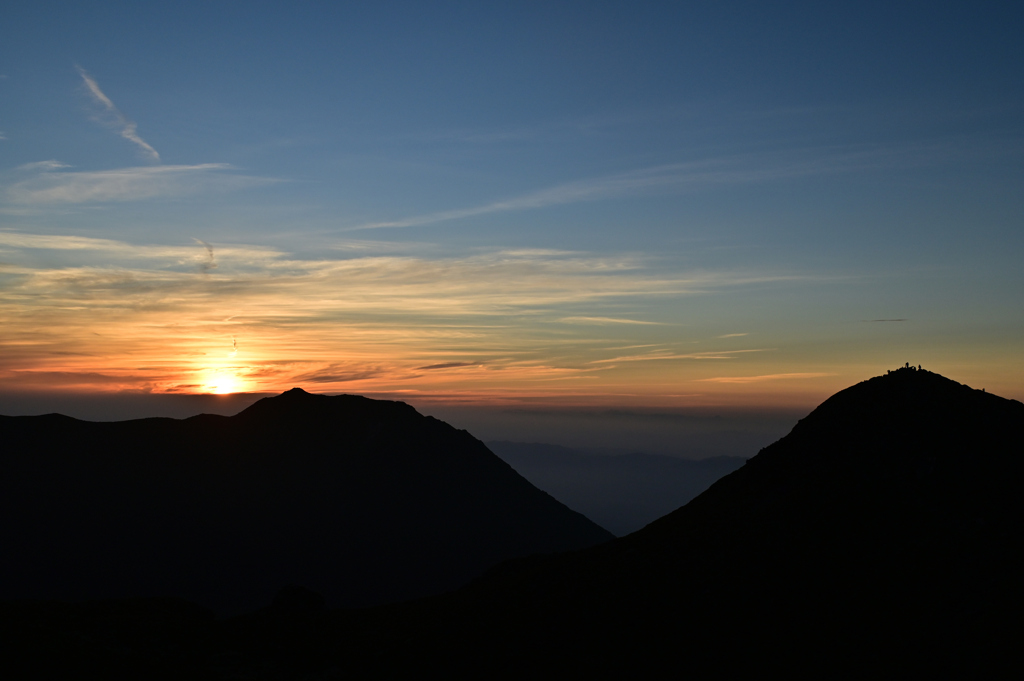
[224, 383]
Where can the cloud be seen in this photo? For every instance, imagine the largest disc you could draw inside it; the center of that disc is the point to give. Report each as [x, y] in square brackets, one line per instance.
[208, 263]
[112, 117]
[125, 184]
[337, 374]
[885, 320]
[157, 315]
[759, 379]
[675, 177]
[65, 378]
[663, 355]
[734, 335]
[42, 166]
[604, 320]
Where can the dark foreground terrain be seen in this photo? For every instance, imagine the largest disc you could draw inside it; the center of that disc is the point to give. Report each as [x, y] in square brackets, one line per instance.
[880, 537]
[362, 501]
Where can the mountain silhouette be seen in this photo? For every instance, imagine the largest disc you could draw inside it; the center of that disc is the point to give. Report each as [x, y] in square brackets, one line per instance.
[361, 501]
[881, 536]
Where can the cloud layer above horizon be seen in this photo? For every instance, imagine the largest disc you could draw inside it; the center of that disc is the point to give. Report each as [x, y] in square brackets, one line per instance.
[88, 313]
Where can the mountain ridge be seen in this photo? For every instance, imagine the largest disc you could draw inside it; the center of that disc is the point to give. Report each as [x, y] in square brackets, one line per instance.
[365, 501]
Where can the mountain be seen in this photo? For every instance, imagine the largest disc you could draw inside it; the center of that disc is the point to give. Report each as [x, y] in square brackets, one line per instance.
[362, 501]
[619, 492]
[882, 536]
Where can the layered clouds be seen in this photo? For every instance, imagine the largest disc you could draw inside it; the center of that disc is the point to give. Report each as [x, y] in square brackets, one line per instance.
[103, 314]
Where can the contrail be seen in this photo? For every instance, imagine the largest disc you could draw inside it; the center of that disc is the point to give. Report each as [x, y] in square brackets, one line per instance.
[114, 118]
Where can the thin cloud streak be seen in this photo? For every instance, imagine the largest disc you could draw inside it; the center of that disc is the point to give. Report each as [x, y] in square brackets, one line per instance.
[711, 354]
[677, 176]
[606, 320]
[115, 119]
[762, 378]
[448, 365]
[42, 166]
[127, 184]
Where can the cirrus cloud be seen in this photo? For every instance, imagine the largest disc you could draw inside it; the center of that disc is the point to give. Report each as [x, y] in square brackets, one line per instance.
[762, 378]
[124, 184]
[110, 116]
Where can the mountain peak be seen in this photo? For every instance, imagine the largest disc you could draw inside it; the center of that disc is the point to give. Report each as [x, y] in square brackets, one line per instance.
[884, 529]
[298, 405]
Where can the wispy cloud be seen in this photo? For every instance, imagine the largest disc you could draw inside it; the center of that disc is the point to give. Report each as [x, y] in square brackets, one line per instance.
[733, 335]
[338, 374]
[885, 320]
[760, 379]
[41, 166]
[447, 365]
[675, 176]
[209, 263]
[605, 320]
[662, 355]
[112, 117]
[124, 184]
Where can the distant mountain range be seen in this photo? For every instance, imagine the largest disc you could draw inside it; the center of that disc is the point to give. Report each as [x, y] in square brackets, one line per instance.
[363, 501]
[882, 536]
[619, 492]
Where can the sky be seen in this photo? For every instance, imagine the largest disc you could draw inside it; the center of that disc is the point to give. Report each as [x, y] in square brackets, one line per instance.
[530, 207]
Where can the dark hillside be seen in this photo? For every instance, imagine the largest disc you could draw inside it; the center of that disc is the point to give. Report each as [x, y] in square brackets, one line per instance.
[882, 533]
[880, 537]
[364, 501]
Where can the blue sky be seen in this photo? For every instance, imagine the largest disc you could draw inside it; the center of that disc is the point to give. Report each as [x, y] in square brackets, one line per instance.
[616, 204]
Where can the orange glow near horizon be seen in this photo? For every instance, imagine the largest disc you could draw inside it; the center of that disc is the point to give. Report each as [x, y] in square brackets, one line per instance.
[529, 328]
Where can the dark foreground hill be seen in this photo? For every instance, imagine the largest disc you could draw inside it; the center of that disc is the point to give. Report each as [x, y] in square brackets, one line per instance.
[363, 501]
[882, 536]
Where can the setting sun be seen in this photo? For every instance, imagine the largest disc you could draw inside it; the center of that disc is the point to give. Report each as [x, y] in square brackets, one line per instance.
[224, 382]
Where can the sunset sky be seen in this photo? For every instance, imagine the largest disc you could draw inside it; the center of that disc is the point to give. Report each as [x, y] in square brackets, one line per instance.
[614, 205]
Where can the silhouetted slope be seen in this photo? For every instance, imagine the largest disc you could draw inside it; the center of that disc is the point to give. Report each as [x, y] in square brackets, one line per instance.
[364, 501]
[882, 533]
[620, 492]
[880, 537]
